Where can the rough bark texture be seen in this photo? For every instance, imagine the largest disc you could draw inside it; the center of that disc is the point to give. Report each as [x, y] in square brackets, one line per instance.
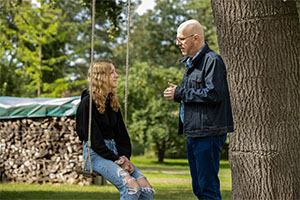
[260, 41]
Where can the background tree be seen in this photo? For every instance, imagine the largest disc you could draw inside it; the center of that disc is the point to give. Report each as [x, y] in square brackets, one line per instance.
[109, 16]
[65, 57]
[260, 43]
[153, 34]
[34, 38]
[152, 121]
[37, 29]
[8, 84]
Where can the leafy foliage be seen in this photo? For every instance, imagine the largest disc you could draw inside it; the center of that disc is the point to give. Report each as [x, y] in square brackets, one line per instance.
[152, 120]
[47, 45]
[153, 35]
[35, 38]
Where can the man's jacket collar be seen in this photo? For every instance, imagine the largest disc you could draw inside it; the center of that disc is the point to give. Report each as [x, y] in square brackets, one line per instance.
[202, 51]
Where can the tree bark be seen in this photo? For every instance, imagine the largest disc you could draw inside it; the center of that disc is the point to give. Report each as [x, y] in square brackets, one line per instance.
[260, 43]
[161, 149]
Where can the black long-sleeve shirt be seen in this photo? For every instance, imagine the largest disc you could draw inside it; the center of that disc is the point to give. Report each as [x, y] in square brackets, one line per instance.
[108, 125]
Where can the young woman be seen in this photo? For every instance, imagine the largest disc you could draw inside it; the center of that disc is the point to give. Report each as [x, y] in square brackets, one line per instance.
[110, 143]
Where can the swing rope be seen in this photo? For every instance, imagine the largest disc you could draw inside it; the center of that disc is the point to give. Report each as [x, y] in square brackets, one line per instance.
[127, 59]
[89, 144]
[91, 173]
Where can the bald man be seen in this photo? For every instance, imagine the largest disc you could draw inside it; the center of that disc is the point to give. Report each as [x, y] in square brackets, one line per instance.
[205, 110]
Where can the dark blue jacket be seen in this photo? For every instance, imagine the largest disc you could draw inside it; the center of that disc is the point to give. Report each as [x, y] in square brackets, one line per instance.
[204, 92]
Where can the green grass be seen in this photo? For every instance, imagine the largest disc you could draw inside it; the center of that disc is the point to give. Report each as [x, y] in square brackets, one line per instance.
[171, 180]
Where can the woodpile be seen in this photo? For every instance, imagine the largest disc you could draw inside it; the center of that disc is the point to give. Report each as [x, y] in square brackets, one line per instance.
[41, 150]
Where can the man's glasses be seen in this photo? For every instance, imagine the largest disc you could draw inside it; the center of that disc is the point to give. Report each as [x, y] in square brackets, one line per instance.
[184, 38]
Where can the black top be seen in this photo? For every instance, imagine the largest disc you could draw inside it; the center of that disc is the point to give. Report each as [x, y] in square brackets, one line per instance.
[108, 125]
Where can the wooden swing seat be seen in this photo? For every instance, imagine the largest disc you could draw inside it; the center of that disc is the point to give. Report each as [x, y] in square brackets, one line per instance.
[88, 174]
[98, 179]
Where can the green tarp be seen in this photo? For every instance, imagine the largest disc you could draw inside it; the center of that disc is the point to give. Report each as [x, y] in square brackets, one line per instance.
[16, 107]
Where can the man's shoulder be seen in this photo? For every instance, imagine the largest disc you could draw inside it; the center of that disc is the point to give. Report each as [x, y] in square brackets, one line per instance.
[213, 57]
[212, 54]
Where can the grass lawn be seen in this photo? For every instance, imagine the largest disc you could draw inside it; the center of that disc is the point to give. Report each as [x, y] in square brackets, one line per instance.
[171, 180]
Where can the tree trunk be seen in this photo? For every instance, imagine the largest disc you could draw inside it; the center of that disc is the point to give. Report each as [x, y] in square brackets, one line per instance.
[259, 41]
[161, 149]
[40, 69]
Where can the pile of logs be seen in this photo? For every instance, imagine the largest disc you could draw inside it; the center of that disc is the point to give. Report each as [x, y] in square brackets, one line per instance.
[40, 150]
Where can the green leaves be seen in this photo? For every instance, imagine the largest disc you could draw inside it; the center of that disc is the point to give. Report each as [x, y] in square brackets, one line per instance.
[152, 120]
[153, 37]
[27, 33]
[50, 41]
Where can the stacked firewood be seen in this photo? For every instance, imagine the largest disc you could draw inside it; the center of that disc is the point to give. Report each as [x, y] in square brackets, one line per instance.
[41, 150]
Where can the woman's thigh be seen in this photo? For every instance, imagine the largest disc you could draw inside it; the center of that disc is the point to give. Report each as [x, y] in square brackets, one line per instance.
[107, 168]
[141, 179]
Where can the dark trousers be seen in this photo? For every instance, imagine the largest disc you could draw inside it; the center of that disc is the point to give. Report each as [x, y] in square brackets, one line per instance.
[204, 159]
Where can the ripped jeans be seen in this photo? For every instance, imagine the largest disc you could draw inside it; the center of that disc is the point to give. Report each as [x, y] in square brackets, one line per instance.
[117, 176]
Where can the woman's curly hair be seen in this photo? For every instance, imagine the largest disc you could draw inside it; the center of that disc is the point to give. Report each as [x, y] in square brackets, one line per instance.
[102, 85]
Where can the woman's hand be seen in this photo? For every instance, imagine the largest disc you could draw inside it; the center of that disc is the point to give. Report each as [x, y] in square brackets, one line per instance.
[125, 164]
[120, 161]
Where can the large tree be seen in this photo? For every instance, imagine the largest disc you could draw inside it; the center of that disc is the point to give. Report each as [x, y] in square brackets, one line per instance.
[260, 43]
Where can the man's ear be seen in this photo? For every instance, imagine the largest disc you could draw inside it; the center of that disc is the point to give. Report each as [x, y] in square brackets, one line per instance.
[197, 37]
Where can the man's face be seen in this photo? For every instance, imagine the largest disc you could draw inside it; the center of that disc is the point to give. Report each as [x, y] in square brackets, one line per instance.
[185, 43]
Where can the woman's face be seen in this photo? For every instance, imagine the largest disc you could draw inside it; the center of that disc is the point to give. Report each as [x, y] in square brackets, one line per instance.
[113, 76]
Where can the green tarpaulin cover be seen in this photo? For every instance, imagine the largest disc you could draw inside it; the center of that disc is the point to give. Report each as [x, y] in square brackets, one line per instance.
[16, 107]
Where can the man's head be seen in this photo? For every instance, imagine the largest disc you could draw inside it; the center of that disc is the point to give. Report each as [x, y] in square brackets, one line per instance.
[190, 37]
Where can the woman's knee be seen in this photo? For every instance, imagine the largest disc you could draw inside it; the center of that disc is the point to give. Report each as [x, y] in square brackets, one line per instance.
[131, 184]
[143, 182]
[137, 187]
[146, 188]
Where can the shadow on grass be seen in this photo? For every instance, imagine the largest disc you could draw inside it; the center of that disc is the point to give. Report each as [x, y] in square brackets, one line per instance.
[182, 163]
[171, 166]
[35, 195]
[166, 163]
[14, 195]
[223, 164]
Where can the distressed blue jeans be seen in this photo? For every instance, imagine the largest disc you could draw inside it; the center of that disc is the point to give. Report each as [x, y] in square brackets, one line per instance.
[115, 174]
[204, 155]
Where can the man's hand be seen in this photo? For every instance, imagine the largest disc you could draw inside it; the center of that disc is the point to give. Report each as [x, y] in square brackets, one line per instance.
[169, 92]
